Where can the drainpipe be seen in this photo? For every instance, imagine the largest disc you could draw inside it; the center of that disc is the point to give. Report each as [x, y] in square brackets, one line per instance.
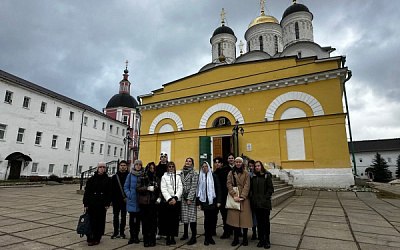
[140, 125]
[349, 75]
[79, 144]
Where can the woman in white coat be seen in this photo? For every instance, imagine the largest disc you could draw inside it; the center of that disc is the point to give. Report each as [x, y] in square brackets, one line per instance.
[171, 190]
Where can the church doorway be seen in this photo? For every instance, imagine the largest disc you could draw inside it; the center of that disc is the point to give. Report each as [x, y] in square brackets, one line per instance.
[15, 163]
[222, 146]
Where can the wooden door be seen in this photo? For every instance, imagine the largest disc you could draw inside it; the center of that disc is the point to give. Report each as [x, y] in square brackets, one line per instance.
[217, 147]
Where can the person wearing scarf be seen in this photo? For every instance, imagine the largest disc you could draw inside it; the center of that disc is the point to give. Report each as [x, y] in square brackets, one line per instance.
[239, 218]
[132, 205]
[209, 200]
[190, 179]
[148, 189]
[171, 190]
[261, 190]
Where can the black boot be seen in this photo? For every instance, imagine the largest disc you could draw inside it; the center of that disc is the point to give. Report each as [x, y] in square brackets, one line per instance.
[193, 228]
[235, 241]
[173, 242]
[185, 235]
[267, 243]
[146, 240]
[245, 240]
[168, 240]
[254, 235]
[136, 238]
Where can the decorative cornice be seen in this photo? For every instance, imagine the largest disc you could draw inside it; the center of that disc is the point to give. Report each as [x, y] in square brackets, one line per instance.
[281, 83]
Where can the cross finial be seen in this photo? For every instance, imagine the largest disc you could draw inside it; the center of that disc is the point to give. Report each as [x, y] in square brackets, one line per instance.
[223, 13]
[294, 1]
[126, 64]
[262, 2]
[241, 47]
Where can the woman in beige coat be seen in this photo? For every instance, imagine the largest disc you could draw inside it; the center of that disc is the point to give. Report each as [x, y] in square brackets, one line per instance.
[239, 219]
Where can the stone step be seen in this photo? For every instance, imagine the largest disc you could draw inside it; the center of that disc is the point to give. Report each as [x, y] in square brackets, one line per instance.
[279, 198]
[278, 185]
[279, 190]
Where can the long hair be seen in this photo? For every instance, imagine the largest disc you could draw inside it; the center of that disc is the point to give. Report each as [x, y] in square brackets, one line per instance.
[263, 171]
[192, 161]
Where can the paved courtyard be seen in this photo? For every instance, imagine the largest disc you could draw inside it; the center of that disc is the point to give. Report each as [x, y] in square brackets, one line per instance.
[46, 218]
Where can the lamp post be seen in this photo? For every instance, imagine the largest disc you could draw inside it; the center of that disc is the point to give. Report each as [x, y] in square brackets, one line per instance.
[235, 132]
[127, 141]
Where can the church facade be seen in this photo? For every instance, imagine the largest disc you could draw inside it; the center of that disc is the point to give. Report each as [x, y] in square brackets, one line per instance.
[280, 103]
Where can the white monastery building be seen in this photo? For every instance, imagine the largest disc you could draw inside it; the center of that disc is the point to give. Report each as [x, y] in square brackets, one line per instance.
[44, 133]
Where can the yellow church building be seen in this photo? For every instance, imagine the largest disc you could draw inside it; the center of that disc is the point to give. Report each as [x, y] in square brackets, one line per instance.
[280, 103]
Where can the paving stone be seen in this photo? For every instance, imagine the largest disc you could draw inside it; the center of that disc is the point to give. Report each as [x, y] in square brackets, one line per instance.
[364, 246]
[310, 193]
[329, 225]
[9, 221]
[21, 227]
[62, 240]
[326, 244]
[289, 229]
[331, 218]
[363, 221]
[328, 211]
[374, 229]
[329, 233]
[346, 195]
[29, 245]
[9, 239]
[41, 232]
[327, 194]
[289, 240]
[384, 240]
[296, 222]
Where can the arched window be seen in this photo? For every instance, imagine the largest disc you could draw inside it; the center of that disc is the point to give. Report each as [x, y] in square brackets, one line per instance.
[276, 44]
[261, 43]
[221, 122]
[248, 46]
[219, 49]
[296, 29]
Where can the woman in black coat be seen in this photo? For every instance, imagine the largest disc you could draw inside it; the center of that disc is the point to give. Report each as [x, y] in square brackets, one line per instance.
[261, 190]
[209, 200]
[96, 201]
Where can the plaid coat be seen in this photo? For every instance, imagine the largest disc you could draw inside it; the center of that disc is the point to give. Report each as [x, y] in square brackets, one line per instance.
[189, 182]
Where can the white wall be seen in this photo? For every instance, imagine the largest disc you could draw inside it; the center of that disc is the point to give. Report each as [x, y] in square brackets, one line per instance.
[33, 120]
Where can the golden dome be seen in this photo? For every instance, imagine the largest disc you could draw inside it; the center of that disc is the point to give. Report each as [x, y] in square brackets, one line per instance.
[263, 19]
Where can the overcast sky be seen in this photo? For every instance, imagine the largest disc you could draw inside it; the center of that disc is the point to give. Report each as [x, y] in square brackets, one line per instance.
[78, 48]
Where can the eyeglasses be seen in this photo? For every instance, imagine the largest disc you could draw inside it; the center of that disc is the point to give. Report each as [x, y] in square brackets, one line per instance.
[163, 156]
[171, 166]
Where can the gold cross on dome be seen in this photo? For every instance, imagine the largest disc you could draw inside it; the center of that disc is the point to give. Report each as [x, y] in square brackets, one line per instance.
[262, 3]
[223, 13]
[126, 63]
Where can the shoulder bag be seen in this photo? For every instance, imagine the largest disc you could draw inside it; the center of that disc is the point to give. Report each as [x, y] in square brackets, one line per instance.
[230, 202]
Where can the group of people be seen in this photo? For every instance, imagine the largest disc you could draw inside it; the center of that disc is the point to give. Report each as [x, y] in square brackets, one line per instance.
[159, 198]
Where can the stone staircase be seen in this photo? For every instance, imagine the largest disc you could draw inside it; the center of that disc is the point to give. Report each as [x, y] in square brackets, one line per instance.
[282, 191]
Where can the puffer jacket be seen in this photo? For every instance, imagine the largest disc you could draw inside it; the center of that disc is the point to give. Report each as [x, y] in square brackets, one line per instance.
[261, 190]
[171, 187]
[130, 191]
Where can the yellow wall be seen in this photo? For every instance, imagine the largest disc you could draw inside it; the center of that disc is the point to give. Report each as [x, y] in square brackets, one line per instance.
[324, 136]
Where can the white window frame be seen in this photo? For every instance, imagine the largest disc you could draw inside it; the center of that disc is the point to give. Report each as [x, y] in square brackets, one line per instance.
[65, 169]
[58, 112]
[43, 107]
[34, 168]
[103, 127]
[3, 131]
[26, 102]
[20, 135]
[82, 146]
[51, 168]
[85, 120]
[115, 151]
[67, 143]
[101, 149]
[71, 115]
[108, 149]
[54, 141]
[8, 97]
[38, 138]
[92, 147]
[94, 123]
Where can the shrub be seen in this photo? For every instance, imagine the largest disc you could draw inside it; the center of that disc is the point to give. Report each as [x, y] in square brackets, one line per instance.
[36, 178]
[55, 178]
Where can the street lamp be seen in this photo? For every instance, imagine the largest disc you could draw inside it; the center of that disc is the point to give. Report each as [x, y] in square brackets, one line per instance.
[235, 132]
[127, 141]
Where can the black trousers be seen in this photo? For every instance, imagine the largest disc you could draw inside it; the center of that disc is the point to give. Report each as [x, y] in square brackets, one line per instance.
[263, 223]
[224, 215]
[134, 223]
[210, 222]
[98, 223]
[119, 227]
[148, 215]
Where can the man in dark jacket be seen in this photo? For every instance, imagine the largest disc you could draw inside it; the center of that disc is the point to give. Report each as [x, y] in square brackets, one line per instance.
[119, 200]
[222, 173]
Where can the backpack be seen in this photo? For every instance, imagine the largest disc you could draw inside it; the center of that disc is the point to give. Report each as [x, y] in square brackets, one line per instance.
[84, 227]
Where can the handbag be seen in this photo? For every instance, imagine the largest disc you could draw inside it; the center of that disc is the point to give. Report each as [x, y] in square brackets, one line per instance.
[230, 202]
[84, 226]
[143, 199]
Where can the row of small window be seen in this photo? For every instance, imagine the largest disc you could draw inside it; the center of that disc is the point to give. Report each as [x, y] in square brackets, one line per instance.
[43, 107]
[38, 141]
[51, 168]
